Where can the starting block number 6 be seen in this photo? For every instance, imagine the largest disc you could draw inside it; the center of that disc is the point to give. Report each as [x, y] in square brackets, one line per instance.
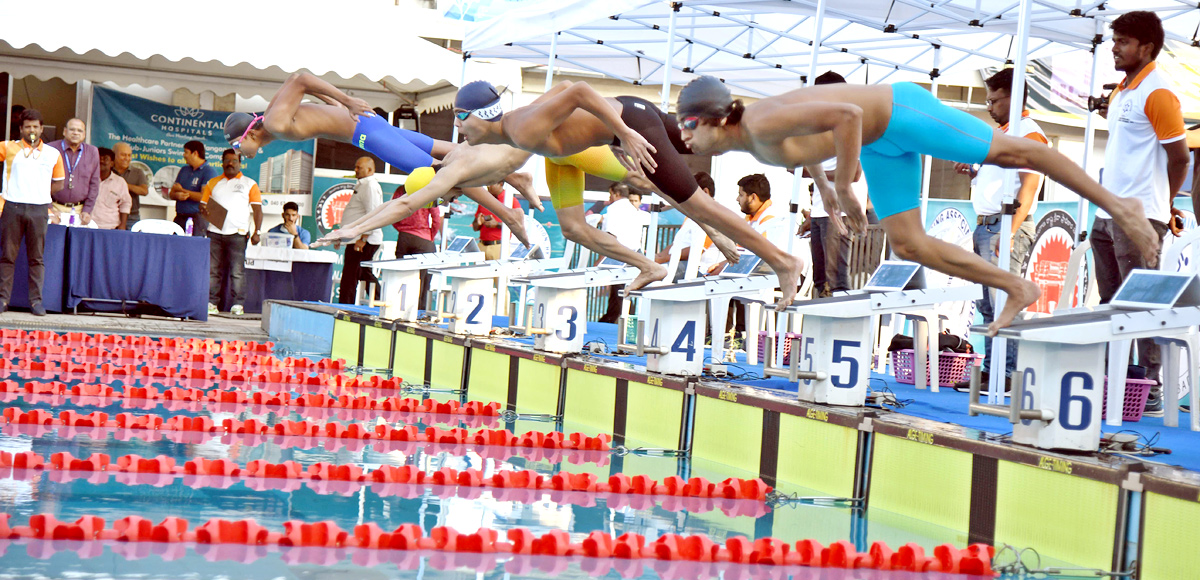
[1065, 399]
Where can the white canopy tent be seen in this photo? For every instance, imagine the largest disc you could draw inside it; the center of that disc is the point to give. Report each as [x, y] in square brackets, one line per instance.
[247, 47]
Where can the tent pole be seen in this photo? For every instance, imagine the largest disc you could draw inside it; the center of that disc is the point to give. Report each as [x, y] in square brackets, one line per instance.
[928, 167]
[816, 43]
[550, 62]
[462, 80]
[1012, 183]
[668, 62]
[1089, 140]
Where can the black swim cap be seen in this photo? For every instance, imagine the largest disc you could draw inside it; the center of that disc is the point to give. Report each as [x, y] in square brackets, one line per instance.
[236, 125]
[480, 97]
[705, 97]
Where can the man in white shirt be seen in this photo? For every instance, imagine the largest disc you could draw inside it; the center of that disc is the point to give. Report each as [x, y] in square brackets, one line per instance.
[368, 195]
[1146, 158]
[987, 196]
[710, 255]
[32, 171]
[239, 196]
[624, 220]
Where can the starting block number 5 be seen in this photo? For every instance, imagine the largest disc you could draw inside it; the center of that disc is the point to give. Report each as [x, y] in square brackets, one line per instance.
[685, 341]
[844, 351]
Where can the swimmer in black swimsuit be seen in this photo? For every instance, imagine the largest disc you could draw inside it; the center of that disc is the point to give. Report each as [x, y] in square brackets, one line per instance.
[570, 118]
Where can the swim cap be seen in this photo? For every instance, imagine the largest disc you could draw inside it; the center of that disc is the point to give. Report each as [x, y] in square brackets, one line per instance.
[420, 177]
[481, 98]
[236, 125]
[704, 97]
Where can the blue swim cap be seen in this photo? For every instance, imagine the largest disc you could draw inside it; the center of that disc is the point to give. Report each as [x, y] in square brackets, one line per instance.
[481, 98]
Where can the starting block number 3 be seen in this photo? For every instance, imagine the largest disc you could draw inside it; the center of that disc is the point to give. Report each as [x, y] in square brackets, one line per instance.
[843, 351]
[572, 318]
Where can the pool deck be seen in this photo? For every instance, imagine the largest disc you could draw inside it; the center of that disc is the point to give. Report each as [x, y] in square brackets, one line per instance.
[223, 327]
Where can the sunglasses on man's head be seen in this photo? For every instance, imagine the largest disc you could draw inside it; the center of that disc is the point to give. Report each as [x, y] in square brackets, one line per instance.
[689, 123]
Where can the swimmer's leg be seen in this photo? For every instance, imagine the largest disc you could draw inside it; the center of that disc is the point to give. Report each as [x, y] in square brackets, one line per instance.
[511, 216]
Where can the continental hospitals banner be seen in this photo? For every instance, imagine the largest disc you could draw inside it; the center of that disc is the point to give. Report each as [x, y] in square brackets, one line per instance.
[157, 132]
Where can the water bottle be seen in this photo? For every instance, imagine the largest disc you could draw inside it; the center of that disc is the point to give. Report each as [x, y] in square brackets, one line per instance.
[71, 219]
[189, 227]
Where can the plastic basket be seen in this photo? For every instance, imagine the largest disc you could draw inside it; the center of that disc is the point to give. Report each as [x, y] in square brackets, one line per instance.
[952, 367]
[787, 346]
[1137, 391]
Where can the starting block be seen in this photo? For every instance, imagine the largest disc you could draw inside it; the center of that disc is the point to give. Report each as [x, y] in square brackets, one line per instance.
[675, 317]
[473, 290]
[400, 280]
[1055, 401]
[831, 363]
[558, 318]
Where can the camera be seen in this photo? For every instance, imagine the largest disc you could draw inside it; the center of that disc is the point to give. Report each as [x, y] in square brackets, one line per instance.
[1101, 102]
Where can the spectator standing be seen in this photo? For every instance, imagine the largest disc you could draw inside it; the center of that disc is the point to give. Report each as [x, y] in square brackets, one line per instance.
[240, 197]
[138, 184]
[367, 196]
[82, 163]
[489, 226]
[711, 256]
[415, 235]
[1146, 158]
[32, 173]
[114, 202]
[301, 238]
[186, 191]
[624, 220]
[987, 196]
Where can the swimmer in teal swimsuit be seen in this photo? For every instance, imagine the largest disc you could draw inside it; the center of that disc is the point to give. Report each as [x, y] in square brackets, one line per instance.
[888, 128]
[351, 120]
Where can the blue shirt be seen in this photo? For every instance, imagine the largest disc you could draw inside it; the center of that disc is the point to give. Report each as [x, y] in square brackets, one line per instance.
[193, 180]
[305, 237]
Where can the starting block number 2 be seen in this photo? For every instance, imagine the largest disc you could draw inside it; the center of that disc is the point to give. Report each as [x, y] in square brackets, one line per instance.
[844, 351]
[685, 341]
[473, 316]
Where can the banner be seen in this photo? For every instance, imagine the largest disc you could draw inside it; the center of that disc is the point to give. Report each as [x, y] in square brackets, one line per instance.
[156, 134]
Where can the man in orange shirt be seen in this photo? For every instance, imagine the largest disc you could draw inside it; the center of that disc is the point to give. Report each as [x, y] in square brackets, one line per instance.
[32, 172]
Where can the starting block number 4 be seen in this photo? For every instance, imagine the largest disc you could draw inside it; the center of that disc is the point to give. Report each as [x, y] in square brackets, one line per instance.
[835, 346]
[684, 342]
[674, 330]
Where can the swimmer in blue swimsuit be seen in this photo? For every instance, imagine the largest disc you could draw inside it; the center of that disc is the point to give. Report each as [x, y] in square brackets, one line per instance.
[888, 128]
[351, 120]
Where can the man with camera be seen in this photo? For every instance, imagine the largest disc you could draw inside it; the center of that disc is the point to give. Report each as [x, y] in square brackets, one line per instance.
[1146, 158]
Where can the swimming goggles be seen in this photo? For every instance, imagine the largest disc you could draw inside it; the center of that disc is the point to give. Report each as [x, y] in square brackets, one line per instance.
[689, 123]
[237, 144]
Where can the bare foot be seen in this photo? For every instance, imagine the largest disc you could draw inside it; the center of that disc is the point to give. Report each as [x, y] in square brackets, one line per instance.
[1025, 294]
[1132, 220]
[727, 247]
[788, 281]
[515, 220]
[654, 274]
[524, 184]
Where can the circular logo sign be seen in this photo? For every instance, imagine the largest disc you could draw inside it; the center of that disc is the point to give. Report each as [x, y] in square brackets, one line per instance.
[330, 206]
[1053, 241]
[952, 227]
[537, 234]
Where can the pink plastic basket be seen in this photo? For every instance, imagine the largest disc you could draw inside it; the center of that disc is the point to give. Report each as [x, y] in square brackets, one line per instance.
[1137, 391]
[952, 367]
[787, 346]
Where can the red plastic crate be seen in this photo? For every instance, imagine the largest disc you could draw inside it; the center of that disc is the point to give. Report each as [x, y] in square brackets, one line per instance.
[952, 367]
[787, 346]
[1137, 391]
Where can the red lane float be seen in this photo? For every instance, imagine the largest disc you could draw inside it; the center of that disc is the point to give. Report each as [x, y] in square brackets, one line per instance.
[947, 559]
[308, 400]
[331, 430]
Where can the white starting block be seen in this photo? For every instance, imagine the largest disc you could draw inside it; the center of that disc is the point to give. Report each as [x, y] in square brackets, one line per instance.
[832, 362]
[473, 290]
[675, 317]
[1056, 402]
[400, 280]
[558, 319]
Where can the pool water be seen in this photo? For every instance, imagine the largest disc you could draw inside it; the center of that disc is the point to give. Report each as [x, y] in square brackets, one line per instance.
[24, 493]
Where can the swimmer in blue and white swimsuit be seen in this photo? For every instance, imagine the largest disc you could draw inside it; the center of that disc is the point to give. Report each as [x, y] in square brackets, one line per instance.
[351, 120]
[888, 128]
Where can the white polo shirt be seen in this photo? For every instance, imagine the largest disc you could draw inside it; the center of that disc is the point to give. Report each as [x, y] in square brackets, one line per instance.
[28, 171]
[858, 187]
[987, 189]
[236, 196]
[1142, 117]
